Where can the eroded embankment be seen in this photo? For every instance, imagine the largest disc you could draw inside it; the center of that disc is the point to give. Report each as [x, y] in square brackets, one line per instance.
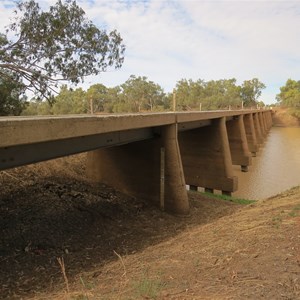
[116, 247]
[282, 117]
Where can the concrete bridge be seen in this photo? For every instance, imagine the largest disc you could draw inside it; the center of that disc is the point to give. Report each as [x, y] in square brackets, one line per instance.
[148, 156]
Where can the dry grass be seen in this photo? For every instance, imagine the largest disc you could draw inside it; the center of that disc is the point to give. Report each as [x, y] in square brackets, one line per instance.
[221, 251]
[246, 255]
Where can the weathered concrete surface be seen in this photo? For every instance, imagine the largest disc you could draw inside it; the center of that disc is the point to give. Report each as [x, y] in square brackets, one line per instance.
[135, 170]
[262, 124]
[258, 131]
[250, 134]
[206, 157]
[16, 131]
[29, 130]
[238, 143]
[131, 145]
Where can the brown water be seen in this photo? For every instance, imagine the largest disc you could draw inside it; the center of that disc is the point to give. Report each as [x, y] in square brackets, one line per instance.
[276, 167]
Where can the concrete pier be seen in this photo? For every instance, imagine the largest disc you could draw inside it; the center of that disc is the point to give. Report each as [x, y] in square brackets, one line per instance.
[135, 170]
[238, 143]
[250, 134]
[206, 157]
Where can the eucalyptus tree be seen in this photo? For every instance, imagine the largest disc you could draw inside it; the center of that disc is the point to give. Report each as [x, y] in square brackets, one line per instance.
[189, 94]
[59, 45]
[70, 101]
[139, 94]
[97, 96]
[289, 96]
[12, 100]
[251, 91]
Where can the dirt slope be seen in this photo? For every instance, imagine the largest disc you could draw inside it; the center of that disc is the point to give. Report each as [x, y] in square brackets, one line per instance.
[116, 247]
[282, 118]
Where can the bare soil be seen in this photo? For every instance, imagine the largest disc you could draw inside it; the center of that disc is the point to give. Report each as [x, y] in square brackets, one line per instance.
[117, 247]
[282, 118]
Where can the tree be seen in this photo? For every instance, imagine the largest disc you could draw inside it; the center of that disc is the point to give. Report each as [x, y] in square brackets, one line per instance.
[189, 94]
[251, 91]
[70, 101]
[11, 100]
[54, 46]
[289, 95]
[211, 94]
[141, 94]
[97, 96]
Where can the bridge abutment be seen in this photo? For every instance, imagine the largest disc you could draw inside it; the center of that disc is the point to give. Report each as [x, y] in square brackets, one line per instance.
[136, 170]
[206, 157]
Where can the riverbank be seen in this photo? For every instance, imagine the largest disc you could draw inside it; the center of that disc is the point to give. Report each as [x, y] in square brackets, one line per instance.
[282, 118]
[116, 247]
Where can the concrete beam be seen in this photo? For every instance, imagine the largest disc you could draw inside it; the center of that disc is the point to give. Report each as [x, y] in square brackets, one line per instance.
[135, 169]
[238, 143]
[30, 130]
[15, 156]
[250, 134]
[206, 157]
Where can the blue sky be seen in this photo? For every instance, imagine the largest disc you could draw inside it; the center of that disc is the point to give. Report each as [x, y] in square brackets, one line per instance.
[210, 40]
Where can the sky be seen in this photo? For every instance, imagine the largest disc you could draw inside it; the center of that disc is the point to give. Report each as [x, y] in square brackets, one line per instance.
[167, 41]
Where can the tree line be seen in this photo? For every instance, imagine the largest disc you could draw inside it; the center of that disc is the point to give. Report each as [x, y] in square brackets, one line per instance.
[139, 94]
[289, 97]
[41, 51]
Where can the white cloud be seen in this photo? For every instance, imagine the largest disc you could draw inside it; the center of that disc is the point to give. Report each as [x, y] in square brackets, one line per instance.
[170, 40]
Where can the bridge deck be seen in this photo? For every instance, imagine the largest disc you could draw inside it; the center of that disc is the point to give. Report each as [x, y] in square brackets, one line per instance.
[29, 130]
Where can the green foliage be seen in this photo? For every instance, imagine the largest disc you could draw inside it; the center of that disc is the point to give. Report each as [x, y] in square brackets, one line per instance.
[251, 91]
[36, 107]
[11, 100]
[104, 99]
[56, 45]
[216, 94]
[189, 94]
[231, 199]
[140, 94]
[70, 102]
[289, 97]
[149, 288]
[97, 95]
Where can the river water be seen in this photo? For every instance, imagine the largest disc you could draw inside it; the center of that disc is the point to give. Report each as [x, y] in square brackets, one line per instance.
[276, 167]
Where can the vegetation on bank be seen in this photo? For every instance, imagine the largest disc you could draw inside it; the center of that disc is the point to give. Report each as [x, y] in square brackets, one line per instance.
[61, 45]
[50, 47]
[289, 97]
[139, 94]
[230, 198]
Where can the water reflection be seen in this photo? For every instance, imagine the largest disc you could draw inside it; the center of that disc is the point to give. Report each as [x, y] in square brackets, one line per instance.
[276, 167]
